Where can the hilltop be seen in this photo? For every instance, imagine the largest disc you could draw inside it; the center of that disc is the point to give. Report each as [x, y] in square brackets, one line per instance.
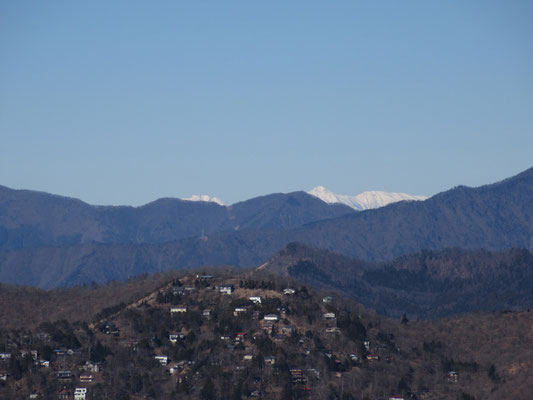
[237, 335]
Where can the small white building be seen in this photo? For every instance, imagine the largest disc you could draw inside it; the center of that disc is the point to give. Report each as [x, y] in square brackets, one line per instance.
[91, 366]
[453, 376]
[239, 310]
[289, 291]
[288, 329]
[33, 354]
[80, 393]
[328, 315]
[173, 337]
[175, 368]
[163, 360]
[86, 377]
[178, 310]
[271, 317]
[327, 299]
[255, 299]
[178, 290]
[226, 289]
[270, 360]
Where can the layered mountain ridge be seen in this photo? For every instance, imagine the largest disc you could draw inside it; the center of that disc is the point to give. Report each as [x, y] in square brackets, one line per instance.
[494, 217]
[37, 219]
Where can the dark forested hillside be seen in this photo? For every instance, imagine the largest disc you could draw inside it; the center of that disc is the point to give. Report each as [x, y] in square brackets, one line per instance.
[25, 306]
[235, 335]
[423, 285]
[31, 219]
[49, 267]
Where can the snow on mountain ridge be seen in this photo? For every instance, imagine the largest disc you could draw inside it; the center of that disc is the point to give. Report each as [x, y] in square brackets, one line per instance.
[362, 201]
[205, 197]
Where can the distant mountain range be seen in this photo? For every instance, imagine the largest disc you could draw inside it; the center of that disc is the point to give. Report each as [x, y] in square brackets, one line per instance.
[362, 201]
[166, 234]
[36, 219]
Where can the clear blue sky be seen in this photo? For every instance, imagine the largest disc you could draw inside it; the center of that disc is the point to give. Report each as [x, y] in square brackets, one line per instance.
[122, 102]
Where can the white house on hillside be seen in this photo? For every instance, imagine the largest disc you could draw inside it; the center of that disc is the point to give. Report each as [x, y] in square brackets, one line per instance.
[226, 289]
[80, 393]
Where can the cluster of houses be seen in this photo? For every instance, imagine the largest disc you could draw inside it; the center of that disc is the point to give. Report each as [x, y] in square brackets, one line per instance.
[298, 376]
[267, 326]
[229, 288]
[5, 357]
[63, 357]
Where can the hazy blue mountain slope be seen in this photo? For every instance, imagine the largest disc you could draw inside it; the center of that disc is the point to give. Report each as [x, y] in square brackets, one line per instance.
[282, 211]
[496, 216]
[35, 219]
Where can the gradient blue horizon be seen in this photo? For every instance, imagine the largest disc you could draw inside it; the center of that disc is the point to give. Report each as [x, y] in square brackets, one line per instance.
[124, 102]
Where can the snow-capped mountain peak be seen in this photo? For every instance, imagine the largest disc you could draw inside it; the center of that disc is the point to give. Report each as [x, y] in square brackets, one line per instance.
[362, 201]
[205, 197]
[324, 194]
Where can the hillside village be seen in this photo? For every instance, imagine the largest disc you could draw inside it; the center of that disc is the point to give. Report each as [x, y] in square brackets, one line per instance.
[158, 238]
[243, 335]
